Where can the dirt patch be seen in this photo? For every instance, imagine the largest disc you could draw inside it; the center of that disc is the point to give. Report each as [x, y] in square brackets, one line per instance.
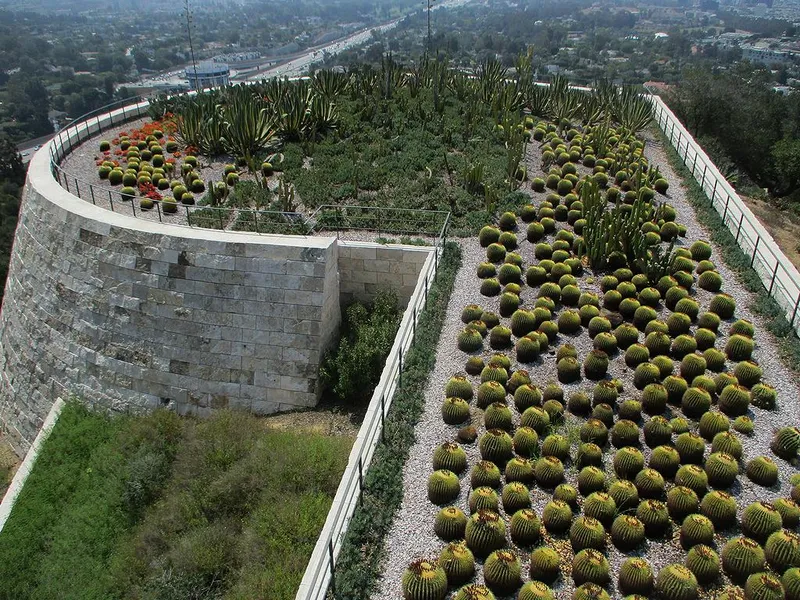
[9, 463]
[324, 421]
[782, 225]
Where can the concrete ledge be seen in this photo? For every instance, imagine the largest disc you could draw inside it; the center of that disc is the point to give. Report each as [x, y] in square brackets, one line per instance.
[21, 476]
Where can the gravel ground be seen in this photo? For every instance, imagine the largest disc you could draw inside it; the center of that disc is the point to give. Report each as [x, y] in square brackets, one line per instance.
[412, 533]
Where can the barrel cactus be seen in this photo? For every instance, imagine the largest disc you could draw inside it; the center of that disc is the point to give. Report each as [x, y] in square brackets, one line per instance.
[485, 532]
[703, 562]
[697, 529]
[747, 373]
[627, 532]
[676, 582]
[474, 592]
[455, 411]
[720, 507]
[762, 471]
[590, 591]
[525, 527]
[666, 460]
[635, 576]
[496, 445]
[712, 423]
[450, 523]
[516, 496]
[654, 516]
[502, 572]
[483, 498]
[723, 305]
[760, 520]
[789, 510]
[549, 471]
[695, 402]
[764, 586]
[791, 583]
[458, 387]
[424, 579]
[657, 432]
[763, 396]
[497, 416]
[458, 562]
[591, 479]
[535, 590]
[485, 474]
[545, 564]
[727, 442]
[590, 566]
[450, 456]
[721, 469]
[587, 532]
[526, 442]
[628, 461]
[625, 494]
[443, 486]
[625, 433]
[786, 442]
[535, 418]
[557, 516]
[782, 550]
[556, 445]
[741, 557]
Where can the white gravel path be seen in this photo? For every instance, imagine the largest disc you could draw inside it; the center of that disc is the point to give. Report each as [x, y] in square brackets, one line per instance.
[412, 533]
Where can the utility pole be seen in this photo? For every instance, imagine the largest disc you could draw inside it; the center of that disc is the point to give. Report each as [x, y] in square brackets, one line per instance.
[189, 32]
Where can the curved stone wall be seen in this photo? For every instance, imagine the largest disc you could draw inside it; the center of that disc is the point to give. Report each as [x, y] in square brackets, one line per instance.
[129, 314]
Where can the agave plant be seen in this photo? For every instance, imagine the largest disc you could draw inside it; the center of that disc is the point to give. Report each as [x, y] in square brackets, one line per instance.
[632, 111]
[328, 84]
[249, 128]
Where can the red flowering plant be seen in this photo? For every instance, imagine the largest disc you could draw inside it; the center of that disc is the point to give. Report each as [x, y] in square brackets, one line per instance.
[192, 151]
[149, 191]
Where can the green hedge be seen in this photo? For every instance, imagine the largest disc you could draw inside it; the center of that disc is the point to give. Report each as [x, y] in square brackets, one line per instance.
[358, 565]
[738, 261]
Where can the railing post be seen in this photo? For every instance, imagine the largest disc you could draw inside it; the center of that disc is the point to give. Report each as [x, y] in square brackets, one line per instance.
[755, 250]
[383, 418]
[219, 212]
[66, 182]
[694, 162]
[91, 190]
[739, 228]
[110, 201]
[400, 367]
[703, 180]
[774, 274]
[724, 212]
[794, 312]
[158, 209]
[77, 188]
[332, 567]
[360, 481]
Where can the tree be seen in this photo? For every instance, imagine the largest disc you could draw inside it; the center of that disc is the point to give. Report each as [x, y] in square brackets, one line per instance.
[786, 165]
[11, 167]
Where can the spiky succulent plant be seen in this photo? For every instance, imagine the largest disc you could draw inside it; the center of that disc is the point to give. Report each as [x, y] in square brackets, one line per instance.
[635, 576]
[591, 566]
[654, 516]
[485, 532]
[627, 532]
[474, 591]
[545, 564]
[720, 507]
[760, 520]
[557, 516]
[741, 557]
[762, 470]
[721, 469]
[786, 442]
[496, 445]
[782, 550]
[625, 494]
[697, 529]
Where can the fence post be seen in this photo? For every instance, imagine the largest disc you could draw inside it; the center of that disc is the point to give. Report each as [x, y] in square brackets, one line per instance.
[739, 228]
[158, 210]
[110, 201]
[755, 249]
[703, 181]
[383, 418]
[77, 188]
[219, 212]
[400, 367]
[333, 574]
[360, 481]
[774, 273]
[794, 312]
[724, 212]
[66, 182]
[694, 162]
[91, 190]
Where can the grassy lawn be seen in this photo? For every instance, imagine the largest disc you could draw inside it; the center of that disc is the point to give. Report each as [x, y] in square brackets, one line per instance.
[162, 507]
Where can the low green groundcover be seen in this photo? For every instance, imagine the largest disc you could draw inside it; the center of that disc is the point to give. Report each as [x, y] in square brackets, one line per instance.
[164, 507]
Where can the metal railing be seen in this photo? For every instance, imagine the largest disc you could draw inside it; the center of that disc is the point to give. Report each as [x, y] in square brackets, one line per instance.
[319, 580]
[780, 277]
[326, 218]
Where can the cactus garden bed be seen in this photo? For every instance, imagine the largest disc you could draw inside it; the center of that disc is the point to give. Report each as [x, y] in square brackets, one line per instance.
[607, 416]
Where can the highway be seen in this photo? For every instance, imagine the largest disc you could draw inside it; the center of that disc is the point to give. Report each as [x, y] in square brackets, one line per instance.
[292, 68]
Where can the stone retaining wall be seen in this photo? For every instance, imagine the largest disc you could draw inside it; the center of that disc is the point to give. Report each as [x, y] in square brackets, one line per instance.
[130, 315]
